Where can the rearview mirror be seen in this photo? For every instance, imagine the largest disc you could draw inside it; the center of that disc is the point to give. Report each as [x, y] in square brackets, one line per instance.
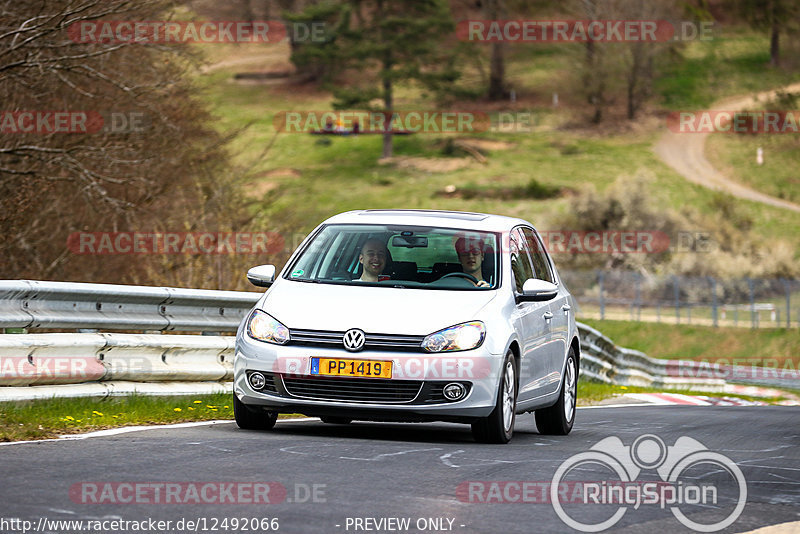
[410, 241]
[261, 276]
[538, 290]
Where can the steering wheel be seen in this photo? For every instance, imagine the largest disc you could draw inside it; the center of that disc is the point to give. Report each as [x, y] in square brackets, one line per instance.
[462, 275]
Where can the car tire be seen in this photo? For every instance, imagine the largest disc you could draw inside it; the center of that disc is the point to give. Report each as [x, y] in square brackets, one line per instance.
[498, 427]
[557, 420]
[252, 420]
[333, 420]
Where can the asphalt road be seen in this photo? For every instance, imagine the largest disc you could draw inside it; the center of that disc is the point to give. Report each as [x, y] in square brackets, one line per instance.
[357, 478]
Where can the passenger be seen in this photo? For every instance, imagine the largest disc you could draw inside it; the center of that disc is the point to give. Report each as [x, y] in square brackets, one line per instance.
[470, 254]
[373, 260]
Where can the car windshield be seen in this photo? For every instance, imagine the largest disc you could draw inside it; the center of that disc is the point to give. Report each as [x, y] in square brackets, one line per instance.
[391, 256]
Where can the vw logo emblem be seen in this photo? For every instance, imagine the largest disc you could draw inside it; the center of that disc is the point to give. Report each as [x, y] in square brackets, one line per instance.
[354, 340]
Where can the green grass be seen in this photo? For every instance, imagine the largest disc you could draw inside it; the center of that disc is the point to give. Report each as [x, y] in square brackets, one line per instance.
[590, 393]
[779, 176]
[50, 418]
[43, 419]
[760, 347]
[734, 62]
[345, 174]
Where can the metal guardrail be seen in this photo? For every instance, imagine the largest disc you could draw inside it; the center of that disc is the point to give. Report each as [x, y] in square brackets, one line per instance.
[90, 364]
[77, 365]
[39, 304]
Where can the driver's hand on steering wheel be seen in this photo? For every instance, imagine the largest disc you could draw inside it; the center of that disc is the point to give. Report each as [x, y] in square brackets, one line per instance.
[483, 283]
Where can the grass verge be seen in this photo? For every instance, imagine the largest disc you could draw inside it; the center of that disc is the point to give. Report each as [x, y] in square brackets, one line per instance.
[42, 419]
[590, 393]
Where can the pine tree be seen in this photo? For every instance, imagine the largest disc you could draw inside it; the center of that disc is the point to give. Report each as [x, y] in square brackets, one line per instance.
[375, 44]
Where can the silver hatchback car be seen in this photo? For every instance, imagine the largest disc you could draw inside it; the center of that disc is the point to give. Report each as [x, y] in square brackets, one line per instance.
[412, 315]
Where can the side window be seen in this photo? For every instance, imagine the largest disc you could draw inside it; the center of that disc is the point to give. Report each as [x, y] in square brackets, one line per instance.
[520, 263]
[541, 266]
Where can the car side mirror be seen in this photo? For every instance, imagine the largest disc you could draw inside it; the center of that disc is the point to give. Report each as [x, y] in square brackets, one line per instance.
[261, 276]
[538, 290]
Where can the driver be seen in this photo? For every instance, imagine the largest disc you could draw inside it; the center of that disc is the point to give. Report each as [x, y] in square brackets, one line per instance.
[373, 260]
[470, 254]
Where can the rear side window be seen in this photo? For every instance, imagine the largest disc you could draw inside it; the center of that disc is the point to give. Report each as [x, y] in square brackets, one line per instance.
[541, 265]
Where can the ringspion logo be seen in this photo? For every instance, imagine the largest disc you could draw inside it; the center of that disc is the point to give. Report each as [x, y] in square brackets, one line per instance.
[691, 478]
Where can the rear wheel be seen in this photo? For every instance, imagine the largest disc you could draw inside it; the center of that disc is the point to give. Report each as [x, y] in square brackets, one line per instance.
[498, 427]
[250, 419]
[333, 420]
[558, 419]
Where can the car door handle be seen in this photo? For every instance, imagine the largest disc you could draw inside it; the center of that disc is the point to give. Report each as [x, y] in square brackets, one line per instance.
[547, 316]
[566, 307]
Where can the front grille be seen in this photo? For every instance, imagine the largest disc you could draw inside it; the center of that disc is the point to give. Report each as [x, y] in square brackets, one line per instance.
[353, 389]
[395, 342]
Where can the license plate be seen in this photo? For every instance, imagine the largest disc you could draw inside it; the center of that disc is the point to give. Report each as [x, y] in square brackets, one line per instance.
[360, 368]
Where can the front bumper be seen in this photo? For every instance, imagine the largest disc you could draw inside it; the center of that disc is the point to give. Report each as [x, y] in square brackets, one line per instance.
[288, 366]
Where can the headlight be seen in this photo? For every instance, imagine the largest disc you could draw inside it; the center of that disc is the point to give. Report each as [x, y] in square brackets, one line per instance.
[264, 327]
[462, 336]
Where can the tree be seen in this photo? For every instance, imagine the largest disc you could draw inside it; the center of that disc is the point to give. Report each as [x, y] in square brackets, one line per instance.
[144, 178]
[775, 16]
[498, 89]
[629, 67]
[315, 59]
[380, 43]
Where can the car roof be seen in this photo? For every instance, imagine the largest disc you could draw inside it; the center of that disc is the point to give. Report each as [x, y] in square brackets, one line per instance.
[439, 218]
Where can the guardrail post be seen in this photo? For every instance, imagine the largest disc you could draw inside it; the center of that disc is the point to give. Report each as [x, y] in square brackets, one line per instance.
[677, 293]
[714, 311]
[638, 297]
[751, 286]
[602, 295]
[788, 289]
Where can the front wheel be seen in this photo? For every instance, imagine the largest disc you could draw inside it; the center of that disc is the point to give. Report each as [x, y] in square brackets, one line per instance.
[557, 420]
[252, 420]
[498, 427]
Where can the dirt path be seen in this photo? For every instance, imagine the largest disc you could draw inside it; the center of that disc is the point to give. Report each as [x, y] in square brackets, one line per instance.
[686, 154]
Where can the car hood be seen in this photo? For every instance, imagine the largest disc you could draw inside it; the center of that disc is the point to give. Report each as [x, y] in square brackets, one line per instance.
[384, 310]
